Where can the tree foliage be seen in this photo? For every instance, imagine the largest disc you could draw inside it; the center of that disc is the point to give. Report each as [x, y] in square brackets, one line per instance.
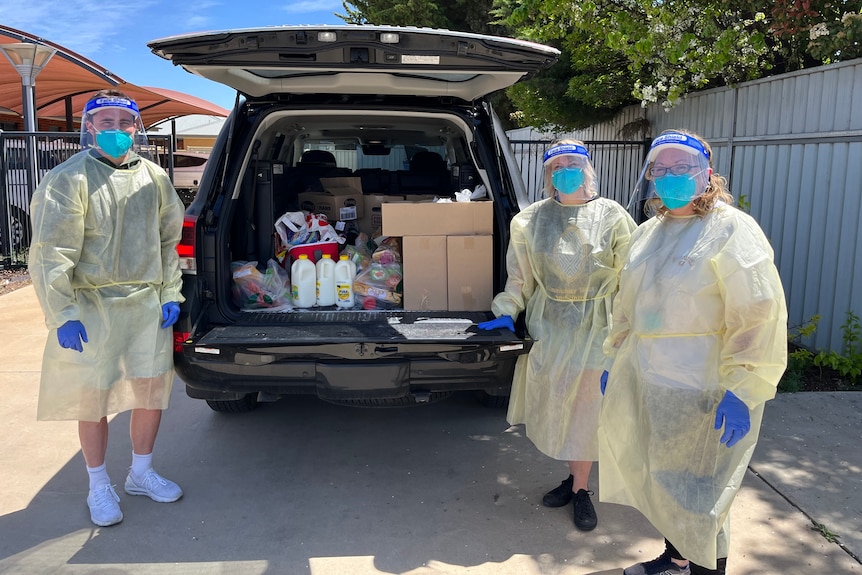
[460, 15]
[617, 52]
[656, 51]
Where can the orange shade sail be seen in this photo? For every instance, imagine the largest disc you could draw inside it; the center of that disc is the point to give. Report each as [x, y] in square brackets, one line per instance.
[69, 79]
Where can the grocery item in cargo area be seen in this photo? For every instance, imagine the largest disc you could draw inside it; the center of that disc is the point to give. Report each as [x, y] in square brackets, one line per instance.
[379, 285]
[253, 290]
[470, 272]
[425, 275]
[304, 233]
[373, 218]
[438, 218]
[345, 272]
[325, 280]
[314, 251]
[303, 282]
[341, 199]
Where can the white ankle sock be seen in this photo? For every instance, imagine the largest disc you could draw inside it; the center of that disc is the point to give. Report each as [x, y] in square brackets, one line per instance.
[98, 476]
[141, 464]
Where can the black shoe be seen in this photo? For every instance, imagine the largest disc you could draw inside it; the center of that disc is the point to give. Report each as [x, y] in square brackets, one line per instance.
[583, 512]
[559, 496]
[661, 565]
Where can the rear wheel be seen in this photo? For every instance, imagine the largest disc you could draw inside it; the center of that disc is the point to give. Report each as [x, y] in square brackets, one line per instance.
[495, 401]
[248, 402]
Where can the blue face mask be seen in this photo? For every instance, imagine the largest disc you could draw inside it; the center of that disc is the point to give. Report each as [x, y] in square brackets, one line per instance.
[675, 191]
[115, 143]
[568, 180]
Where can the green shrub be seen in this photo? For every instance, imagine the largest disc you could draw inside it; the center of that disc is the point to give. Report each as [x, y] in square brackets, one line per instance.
[799, 359]
[848, 363]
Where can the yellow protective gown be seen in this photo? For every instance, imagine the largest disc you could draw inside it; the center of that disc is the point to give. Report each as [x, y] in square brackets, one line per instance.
[700, 310]
[563, 263]
[104, 253]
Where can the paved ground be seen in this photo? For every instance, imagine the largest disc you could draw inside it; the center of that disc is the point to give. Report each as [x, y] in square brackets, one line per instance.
[305, 487]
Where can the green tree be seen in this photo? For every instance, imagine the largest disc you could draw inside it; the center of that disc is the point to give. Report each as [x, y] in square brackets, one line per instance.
[457, 15]
[617, 52]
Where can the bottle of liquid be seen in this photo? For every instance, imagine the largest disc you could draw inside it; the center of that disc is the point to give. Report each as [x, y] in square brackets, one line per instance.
[345, 271]
[303, 282]
[325, 281]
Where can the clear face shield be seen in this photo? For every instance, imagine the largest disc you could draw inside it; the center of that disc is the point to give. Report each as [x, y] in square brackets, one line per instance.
[113, 125]
[675, 173]
[568, 172]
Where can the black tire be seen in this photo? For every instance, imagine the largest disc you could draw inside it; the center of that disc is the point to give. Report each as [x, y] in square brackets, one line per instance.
[187, 196]
[246, 403]
[493, 401]
[20, 223]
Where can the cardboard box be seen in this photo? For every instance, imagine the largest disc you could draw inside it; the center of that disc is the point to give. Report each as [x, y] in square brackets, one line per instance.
[424, 263]
[438, 219]
[470, 272]
[372, 220]
[342, 199]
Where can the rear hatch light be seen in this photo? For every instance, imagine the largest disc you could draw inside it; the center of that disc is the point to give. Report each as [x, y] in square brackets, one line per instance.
[187, 248]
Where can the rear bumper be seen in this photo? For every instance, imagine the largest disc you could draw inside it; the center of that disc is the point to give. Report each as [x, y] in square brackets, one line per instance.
[344, 380]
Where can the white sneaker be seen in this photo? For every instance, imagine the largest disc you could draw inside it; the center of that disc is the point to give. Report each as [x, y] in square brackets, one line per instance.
[104, 504]
[153, 486]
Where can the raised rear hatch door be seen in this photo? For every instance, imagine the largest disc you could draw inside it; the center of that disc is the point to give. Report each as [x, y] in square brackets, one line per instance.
[379, 60]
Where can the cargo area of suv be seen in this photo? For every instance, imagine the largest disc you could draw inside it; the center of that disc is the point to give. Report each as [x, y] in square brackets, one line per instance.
[364, 129]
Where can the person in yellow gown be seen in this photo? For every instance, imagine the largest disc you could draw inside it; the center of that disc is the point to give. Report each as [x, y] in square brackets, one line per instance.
[563, 261]
[697, 346]
[103, 261]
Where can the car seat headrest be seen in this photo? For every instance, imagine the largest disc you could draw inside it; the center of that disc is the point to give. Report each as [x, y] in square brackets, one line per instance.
[426, 161]
[318, 158]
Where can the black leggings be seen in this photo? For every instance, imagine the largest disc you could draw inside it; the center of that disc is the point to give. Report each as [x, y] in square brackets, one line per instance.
[696, 569]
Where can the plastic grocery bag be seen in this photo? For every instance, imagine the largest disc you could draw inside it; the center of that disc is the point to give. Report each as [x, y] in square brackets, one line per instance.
[302, 228]
[253, 290]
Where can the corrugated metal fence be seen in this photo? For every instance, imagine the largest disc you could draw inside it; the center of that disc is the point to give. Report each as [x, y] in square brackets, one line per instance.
[616, 162]
[791, 148]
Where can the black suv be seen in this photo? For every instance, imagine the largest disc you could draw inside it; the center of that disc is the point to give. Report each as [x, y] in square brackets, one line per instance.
[364, 103]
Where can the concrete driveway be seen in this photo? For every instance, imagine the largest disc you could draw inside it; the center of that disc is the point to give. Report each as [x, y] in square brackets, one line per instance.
[309, 488]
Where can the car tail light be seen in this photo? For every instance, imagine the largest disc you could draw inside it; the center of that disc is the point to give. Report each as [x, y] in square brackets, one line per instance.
[186, 247]
[179, 338]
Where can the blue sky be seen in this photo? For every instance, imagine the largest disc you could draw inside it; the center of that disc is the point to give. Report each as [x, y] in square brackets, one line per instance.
[114, 34]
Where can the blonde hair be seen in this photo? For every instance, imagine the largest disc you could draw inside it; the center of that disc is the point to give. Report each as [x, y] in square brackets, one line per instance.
[590, 180]
[716, 188]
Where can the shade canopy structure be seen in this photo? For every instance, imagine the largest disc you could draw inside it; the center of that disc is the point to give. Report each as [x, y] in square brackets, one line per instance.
[69, 79]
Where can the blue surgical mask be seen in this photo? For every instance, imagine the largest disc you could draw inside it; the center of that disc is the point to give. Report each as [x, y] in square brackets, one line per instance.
[115, 143]
[676, 191]
[568, 180]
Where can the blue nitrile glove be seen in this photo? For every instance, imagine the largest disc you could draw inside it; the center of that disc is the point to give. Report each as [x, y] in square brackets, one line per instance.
[170, 313]
[502, 321]
[70, 335]
[604, 381]
[734, 413]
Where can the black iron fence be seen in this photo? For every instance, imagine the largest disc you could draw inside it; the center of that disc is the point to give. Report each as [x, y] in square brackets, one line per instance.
[25, 157]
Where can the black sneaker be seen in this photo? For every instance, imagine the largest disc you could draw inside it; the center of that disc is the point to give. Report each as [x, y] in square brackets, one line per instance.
[583, 512]
[661, 565]
[559, 496]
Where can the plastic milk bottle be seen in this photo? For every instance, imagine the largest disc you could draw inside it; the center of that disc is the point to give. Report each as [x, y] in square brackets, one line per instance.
[345, 271]
[303, 282]
[325, 280]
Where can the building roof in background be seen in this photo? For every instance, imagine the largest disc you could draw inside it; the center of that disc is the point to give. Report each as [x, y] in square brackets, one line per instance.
[192, 125]
[69, 79]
